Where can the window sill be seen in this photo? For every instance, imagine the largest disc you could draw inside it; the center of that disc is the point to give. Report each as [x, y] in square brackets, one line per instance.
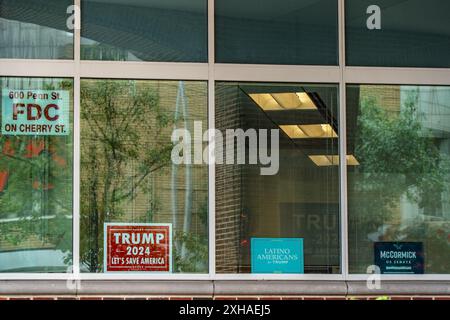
[213, 288]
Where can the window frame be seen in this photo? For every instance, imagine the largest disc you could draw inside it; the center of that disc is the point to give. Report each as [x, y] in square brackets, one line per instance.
[212, 72]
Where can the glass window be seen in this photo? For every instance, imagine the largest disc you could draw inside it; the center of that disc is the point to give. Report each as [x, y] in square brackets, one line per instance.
[399, 194]
[277, 32]
[398, 33]
[36, 175]
[144, 30]
[36, 29]
[127, 175]
[277, 203]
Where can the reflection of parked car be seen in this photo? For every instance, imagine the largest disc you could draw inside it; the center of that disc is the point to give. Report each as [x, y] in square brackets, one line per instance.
[31, 252]
[33, 260]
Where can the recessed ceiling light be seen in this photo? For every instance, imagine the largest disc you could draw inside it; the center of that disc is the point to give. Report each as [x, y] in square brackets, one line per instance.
[306, 101]
[332, 160]
[283, 101]
[304, 131]
[265, 101]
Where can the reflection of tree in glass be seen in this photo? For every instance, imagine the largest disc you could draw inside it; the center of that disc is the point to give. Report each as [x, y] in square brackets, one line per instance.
[398, 158]
[196, 256]
[123, 144]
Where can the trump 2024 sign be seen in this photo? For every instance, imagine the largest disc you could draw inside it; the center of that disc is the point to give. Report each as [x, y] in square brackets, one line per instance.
[144, 247]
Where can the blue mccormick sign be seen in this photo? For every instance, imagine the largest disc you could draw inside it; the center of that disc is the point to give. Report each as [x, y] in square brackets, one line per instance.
[399, 257]
[277, 255]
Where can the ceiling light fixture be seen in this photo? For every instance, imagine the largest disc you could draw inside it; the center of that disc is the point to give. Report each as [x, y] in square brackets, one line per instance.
[283, 101]
[332, 160]
[304, 131]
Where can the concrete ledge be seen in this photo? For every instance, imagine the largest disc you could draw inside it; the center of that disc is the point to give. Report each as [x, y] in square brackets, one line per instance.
[209, 288]
[37, 287]
[423, 287]
[283, 288]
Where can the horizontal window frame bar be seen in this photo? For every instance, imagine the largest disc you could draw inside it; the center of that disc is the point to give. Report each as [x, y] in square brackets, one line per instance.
[37, 68]
[276, 73]
[399, 76]
[400, 277]
[222, 277]
[161, 276]
[104, 69]
[144, 70]
[271, 277]
[222, 72]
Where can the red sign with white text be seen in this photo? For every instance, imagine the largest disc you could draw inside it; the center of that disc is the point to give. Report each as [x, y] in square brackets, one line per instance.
[138, 247]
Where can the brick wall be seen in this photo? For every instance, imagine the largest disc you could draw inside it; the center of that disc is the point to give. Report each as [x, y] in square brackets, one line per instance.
[228, 186]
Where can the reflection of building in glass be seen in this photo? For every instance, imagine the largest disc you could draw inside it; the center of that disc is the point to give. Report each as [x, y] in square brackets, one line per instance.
[35, 29]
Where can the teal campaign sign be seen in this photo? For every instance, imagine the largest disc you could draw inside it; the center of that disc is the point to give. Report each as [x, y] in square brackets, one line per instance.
[277, 255]
[35, 112]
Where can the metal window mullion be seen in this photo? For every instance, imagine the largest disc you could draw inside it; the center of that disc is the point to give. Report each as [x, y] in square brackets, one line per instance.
[76, 151]
[211, 124]
[343, 143]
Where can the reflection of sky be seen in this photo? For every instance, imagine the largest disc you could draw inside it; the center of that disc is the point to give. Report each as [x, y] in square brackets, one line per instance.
[28, 40]
[184, 5]
[130, 56]
[433, 108]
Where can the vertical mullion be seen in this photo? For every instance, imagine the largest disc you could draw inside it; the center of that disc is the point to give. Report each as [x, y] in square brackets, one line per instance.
[76, 147]
[343, 142]
[211, 125]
